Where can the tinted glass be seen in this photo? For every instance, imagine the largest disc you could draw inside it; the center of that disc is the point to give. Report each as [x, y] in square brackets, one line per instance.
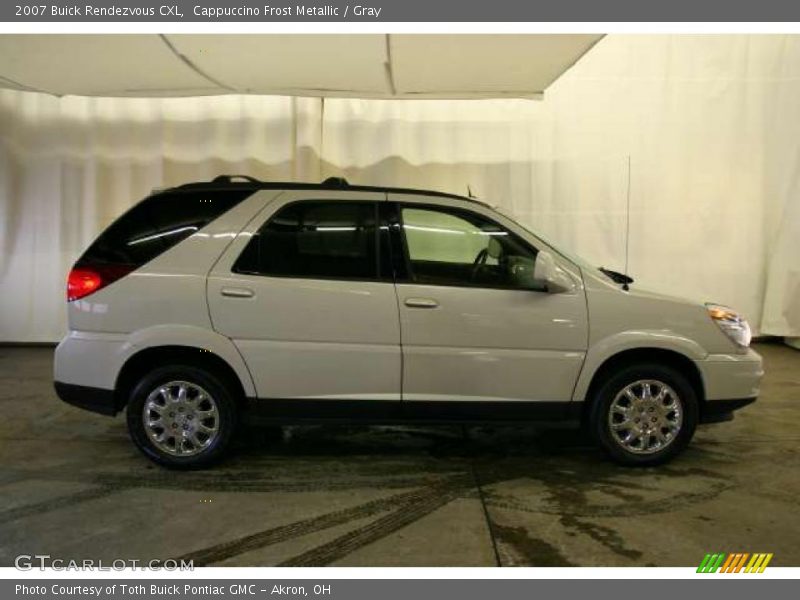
[453, 247]
[157, 224]
[315, 240]
[392, 261]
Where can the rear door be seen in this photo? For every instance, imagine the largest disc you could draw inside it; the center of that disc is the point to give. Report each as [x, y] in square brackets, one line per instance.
[304, 294]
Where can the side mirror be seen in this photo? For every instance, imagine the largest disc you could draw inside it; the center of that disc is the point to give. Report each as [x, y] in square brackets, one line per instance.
[549, 275]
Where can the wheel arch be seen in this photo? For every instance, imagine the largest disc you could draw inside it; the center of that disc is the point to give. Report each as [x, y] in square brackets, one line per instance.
[631, 356]
[149, 358]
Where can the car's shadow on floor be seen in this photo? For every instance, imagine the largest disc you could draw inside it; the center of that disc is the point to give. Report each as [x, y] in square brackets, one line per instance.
[517, 473]
[359, 484]
[431, 441]
[393, 456]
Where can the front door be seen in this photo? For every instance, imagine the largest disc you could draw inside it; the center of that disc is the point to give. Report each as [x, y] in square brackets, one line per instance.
[473, 327]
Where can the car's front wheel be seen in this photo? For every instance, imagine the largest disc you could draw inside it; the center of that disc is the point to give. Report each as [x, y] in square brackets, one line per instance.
[181, 416]
[644, 414]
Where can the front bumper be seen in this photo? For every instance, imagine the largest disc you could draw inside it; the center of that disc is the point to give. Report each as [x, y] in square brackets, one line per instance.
[729, 376]
[722, 410]
[730, 382]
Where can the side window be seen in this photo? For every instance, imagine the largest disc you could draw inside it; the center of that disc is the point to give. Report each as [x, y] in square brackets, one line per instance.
[457, 247]
[157, 224]
[315, 239]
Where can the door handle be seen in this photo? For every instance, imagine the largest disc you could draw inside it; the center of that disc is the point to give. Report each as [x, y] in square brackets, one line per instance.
[237, 292]
[421, 303]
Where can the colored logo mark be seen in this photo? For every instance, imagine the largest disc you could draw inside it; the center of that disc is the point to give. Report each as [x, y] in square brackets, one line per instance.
[734, 563]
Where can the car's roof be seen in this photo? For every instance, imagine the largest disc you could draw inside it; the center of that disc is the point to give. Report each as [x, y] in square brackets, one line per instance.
[241, 182]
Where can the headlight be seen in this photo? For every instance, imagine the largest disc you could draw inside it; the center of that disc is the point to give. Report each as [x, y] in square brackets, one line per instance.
[732, 324]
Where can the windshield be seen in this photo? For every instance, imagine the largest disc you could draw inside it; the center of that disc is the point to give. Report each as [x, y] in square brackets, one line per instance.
[581, 262]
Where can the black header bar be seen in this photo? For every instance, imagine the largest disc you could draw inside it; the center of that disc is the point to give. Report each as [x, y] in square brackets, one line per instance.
[442, 11]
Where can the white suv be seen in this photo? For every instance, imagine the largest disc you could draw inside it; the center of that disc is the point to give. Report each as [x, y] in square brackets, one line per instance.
[234, 299]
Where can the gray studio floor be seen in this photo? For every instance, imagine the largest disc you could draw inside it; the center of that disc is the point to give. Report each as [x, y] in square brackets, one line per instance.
[73, 486]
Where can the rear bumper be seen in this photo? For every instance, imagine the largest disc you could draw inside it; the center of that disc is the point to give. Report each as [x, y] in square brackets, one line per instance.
[90, 359]
[85, 369]
[89, 398]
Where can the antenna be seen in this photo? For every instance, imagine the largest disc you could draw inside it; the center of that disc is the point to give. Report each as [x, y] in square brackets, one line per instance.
[628, 215]
[469, 192]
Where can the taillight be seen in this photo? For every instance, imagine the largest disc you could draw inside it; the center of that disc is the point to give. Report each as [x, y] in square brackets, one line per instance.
[87, 279]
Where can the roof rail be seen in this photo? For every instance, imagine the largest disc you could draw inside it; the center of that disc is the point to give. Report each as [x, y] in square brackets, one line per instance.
[230, 178]
[331, 183]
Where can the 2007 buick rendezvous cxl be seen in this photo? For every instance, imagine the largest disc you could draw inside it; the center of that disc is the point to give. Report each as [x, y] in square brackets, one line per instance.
[214, 302]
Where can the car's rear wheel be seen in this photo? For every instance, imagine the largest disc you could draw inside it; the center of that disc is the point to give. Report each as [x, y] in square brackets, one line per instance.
[181, 416]
[644, 414]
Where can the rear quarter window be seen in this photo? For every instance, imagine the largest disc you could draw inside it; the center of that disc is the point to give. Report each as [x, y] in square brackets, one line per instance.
[157, 224]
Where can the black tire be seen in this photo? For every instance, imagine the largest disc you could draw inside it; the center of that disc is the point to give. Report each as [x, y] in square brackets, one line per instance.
[616, 383]
[226, 415]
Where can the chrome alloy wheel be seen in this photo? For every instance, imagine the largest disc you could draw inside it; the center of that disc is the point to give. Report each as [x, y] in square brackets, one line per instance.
[181, 418]
[645, 417]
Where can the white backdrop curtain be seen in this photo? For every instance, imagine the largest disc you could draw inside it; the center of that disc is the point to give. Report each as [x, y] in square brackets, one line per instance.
[70, 166]
[678, 156]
